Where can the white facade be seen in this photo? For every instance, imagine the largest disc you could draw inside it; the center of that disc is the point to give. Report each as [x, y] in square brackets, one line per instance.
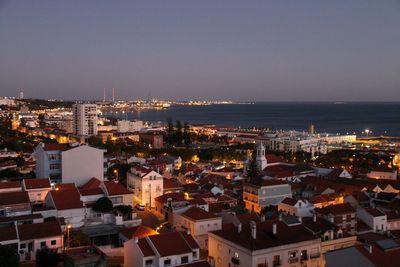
[198, 228]
[84, 119]
[376, 220]
[302, 208]
[82, 163]
[124, 126]
[383, 175]
[260, 157]
[145, 186]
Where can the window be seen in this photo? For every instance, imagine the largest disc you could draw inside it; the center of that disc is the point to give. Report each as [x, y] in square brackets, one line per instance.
[148, 262]
[194, 254]
[42, 244]
[236, 254]
[53, 242]
[167, 262]
[185, 259]
[22, 246]
[116, 200]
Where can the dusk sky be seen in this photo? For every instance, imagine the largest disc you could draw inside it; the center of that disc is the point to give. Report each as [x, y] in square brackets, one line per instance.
[238, 50]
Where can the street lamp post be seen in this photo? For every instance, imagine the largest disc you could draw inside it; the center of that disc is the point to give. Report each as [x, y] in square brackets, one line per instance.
[69, 226]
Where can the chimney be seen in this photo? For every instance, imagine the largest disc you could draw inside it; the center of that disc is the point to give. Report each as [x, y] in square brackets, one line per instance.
[274, 228]
[300, 219]
[263, 218]
[239, 227]
[253, 228]
[315, 217]
[368, 247]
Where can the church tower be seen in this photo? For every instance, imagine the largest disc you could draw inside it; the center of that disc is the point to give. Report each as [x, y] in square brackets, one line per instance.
[260, 158]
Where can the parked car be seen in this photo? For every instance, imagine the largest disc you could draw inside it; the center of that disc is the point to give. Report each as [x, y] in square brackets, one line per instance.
[140, 206]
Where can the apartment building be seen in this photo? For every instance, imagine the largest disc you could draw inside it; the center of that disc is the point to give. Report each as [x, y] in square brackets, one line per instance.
[84, 119]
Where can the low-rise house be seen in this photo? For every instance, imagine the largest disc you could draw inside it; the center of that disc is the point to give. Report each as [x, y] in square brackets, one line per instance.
[341, 215]
[15, 204]
[259, 193]
[393, 220]
[199, 222]
[145, 184]
[383, 172]
[332, 237]
[37, 236]
[36, 188]
[300, 208]
[374, 218]
[157, 250]
[127, 233]
[118, 194]
[172, 186]
[67, 204]
[268, 243]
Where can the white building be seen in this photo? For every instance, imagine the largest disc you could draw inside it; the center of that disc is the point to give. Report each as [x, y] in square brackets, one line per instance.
[260, 157]
[199, 222]
[69, 164]
[84, 119]
[124, 126]
[383, 172]
[374, 218]
[272, 243]
[299, 208]
[37, 188]
[145, 184]
[80, 164]
[163, 250]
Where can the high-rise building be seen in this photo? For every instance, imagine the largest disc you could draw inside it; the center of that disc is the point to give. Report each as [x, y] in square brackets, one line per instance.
[84, 119]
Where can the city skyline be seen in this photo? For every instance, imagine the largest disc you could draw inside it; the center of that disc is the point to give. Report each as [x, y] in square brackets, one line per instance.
[265, 51]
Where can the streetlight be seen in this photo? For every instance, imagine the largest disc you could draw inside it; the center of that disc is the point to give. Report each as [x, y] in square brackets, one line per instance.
[116, 173]
[69, 226]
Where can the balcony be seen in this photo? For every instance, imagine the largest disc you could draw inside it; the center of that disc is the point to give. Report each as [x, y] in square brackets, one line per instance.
[293, 260]
[314, 255]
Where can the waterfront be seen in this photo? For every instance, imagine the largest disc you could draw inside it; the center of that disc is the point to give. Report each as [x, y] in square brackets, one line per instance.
[380, 118]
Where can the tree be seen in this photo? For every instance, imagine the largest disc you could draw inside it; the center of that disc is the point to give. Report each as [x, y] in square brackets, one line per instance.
[253, 169]
[178, 133]
[8, 256]
[186, 134]
[170, 132]
[124, 210]
[103, 205]
[46, 257]
[77, 239]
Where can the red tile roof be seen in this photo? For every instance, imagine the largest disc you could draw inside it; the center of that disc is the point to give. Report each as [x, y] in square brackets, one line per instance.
[337, 209]
[66, 199]
[7, 185]
[66, 186]
[264, 237]
[37, 183]
[145, 247]
[14, 198]
[115, 189]
[171, 183]
[289, 201]
[162, 243]
[173, 196]
[374, 212]
[91, 191]
[197, 214]
[8, 233]
[92, 183]
[39, 230]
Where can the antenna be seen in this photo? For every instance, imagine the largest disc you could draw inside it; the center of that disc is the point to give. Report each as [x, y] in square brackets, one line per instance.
[104, 95]
[113, 95]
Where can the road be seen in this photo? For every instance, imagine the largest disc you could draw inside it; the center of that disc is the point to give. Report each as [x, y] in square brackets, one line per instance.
[148, 218]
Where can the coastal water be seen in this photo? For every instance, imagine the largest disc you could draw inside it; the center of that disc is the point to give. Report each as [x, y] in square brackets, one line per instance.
[380, 118]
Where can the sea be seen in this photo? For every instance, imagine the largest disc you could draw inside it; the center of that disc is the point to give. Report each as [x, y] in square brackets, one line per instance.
[336, 117]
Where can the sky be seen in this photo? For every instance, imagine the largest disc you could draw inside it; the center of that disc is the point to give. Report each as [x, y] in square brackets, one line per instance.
[236, 50]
